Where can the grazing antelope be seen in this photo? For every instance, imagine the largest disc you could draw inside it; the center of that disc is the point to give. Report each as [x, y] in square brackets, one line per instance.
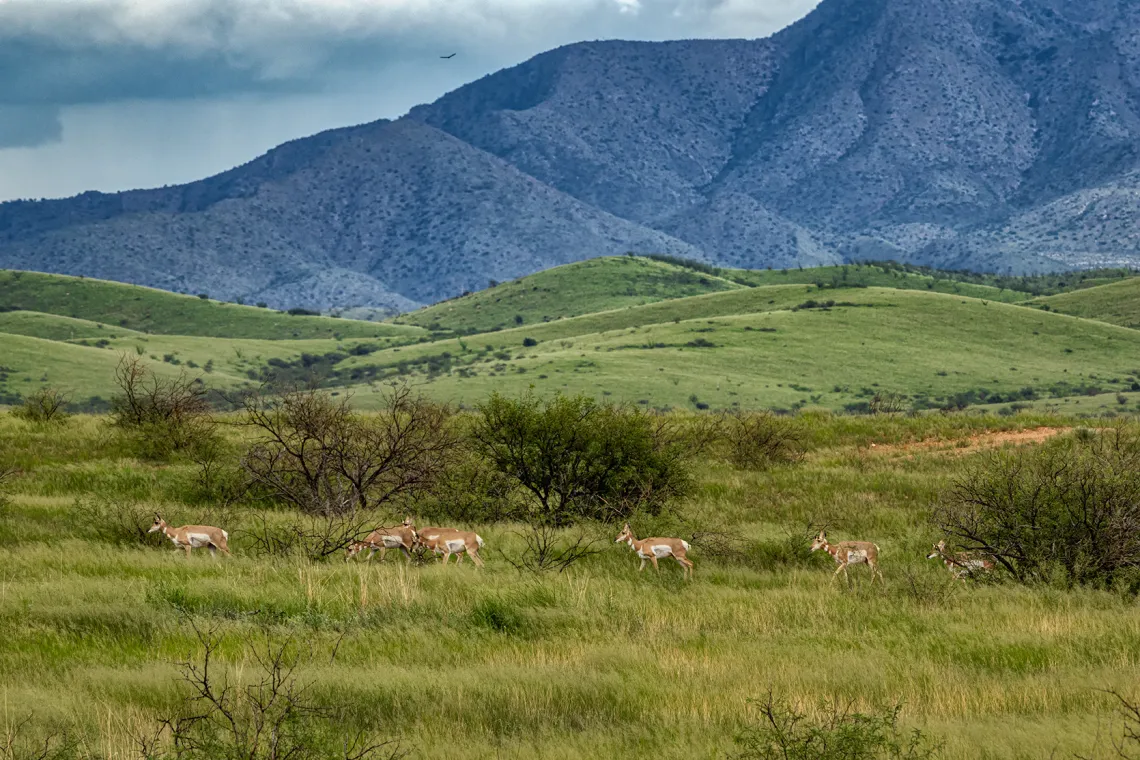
[448, 541]
[961, 564]
[850, 553]
[402, 537]
[652, 548]
[193, 536]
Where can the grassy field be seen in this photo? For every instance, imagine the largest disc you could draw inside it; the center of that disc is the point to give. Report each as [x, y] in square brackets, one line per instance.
[754, 348]
[595, 662]
[647, 331]
[156, 311]
[585, 287]
[1117, 302]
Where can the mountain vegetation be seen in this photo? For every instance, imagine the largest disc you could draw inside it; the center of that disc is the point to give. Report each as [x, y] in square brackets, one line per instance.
[968, 134]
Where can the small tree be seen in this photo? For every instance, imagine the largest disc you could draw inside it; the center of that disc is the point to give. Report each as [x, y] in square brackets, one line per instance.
[1069, 509]
[45, 405]
[576, 458]
[163, 415]
[315, 453]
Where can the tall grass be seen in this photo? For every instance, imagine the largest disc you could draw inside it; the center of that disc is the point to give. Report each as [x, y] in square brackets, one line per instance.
[598, 661]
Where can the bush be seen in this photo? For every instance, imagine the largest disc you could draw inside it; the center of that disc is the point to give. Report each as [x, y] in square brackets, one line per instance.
[44, 405]
[528, 342]
[315, 454]
[259, 711]
[160, 416]
[759, 440]
[575, 458]
[783, 731]
[1068, 510]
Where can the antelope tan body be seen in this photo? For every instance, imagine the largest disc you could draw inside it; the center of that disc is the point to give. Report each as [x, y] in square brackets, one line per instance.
[448, 541]
[652, 549]
[961, 564]
[402, 537]
[850, 553]
[193, 536]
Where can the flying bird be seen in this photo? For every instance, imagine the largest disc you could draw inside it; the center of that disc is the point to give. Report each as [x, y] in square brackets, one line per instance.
[445, 57]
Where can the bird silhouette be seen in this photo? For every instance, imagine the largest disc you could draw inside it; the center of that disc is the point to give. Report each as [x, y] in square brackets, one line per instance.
[445, 57]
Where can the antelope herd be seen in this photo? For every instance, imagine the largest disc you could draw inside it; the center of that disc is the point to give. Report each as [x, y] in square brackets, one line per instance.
[448, 541]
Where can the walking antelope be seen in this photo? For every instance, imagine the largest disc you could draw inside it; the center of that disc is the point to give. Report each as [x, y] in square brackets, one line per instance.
[448, 541]
[960, 564]
[402, 537]
[193, 536]
[653, 548]
[850, 553]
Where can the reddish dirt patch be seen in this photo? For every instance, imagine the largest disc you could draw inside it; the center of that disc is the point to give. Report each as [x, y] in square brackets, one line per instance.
[988, 439]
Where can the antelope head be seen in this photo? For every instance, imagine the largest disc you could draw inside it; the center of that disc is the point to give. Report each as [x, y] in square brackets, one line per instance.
[819, 542]
[353, 549]
[158, 524]
[939, 550]
[626, 535]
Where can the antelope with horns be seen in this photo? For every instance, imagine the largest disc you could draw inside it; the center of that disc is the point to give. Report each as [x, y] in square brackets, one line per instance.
[448, 541]
[850, 553]
[193, 536]
[651, 549]
[402, 537]
[961, 564]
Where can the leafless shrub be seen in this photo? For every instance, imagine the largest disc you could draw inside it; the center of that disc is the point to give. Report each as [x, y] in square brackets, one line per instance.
[316, 454]
[548, 548]
[116, 521]
[44, 405]
[885, 402]
[758, 440]
[1067, 510]
[927, 587]
[17, 742]
[161, 415]
[316, 537]
[270, 716]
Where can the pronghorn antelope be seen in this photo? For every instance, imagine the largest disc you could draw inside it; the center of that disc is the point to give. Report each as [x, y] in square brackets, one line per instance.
[402, 537]
[652, 548]
[448, 541]
[850, 553]
[193, 536]
[960, 564]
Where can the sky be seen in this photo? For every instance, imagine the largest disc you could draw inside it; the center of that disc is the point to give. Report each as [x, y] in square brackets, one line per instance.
[118, 94]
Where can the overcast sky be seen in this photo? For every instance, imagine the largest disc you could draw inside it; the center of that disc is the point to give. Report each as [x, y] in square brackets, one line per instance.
[117, 94]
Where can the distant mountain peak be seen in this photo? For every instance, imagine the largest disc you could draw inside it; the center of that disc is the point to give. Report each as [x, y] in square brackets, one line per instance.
[989, 134]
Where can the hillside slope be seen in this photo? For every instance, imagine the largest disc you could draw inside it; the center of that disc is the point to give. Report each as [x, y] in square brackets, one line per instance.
[1117, 303]
[131, 307]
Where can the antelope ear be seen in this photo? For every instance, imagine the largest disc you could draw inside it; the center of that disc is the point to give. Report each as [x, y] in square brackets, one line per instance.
[157, 516]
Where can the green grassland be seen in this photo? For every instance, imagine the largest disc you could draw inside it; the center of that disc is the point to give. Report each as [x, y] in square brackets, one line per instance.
[601, 284]
[753, 348]
[1117, 302]
[83, 372]
[635, 329]
[156, 311]
[599, 661]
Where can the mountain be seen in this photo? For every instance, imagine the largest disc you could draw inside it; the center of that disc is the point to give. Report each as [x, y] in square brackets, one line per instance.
[988, 134]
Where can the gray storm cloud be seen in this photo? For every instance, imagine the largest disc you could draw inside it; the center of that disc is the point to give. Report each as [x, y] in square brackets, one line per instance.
[83, 51]
[60, 55]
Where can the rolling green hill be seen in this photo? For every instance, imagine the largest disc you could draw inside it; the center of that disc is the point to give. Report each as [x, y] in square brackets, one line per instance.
[584, 287]
[157, 311]
[783, 347]
[630, 328]
[1117, 302]
[85, 372]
